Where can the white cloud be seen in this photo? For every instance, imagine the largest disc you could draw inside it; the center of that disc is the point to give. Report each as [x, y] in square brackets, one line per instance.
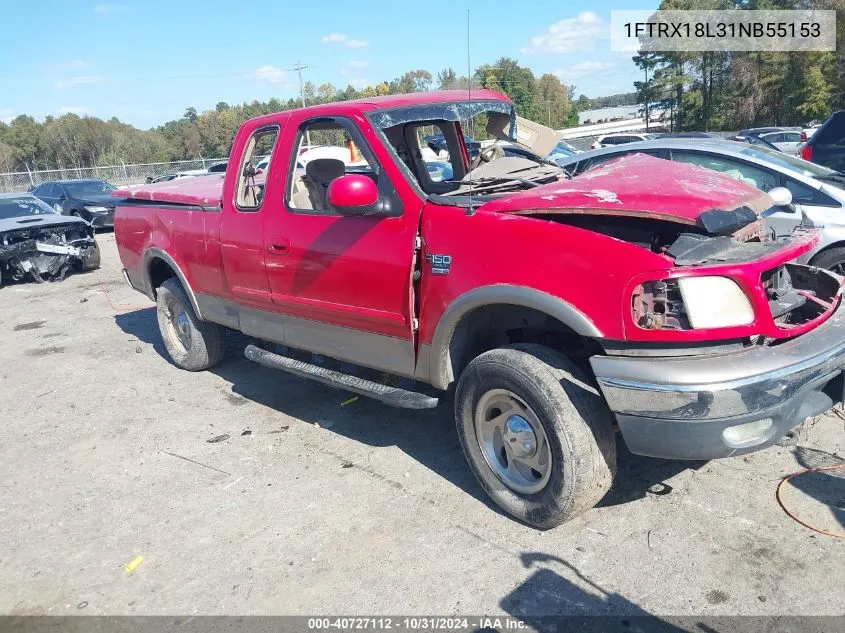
[77, 110]
[105, 9]
[338, 38]
[582, 69]
[269, 74]
[70, 82]
[357, 63]
[6, 115]
[570, 35]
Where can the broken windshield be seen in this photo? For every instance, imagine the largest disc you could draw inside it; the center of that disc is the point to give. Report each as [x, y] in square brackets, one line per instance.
[454, 111]
[23, 206]
[450, 148]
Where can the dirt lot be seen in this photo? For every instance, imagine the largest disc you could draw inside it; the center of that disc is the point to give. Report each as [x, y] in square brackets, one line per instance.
[311, 507]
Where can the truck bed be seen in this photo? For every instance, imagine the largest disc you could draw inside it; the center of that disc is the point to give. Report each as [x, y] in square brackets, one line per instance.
[201, 191]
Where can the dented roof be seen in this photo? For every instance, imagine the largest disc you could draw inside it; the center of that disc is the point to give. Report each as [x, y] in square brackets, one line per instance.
[638, 185]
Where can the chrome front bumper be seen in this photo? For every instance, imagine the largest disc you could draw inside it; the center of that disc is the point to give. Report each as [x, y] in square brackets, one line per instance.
[703, 407]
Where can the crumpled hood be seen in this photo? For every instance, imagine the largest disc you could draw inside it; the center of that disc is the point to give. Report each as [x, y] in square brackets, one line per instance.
[638, 185]
[39, 222]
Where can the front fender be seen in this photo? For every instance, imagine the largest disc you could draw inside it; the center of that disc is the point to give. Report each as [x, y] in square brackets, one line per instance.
[440, 362]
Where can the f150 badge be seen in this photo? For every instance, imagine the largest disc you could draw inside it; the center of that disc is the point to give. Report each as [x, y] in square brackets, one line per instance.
[440, 264]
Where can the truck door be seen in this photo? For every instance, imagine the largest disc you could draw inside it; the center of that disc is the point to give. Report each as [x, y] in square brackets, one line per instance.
[244, 213]
[342, 282]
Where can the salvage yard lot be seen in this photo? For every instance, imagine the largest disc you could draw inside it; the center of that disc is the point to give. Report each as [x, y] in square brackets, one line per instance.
[313, 507]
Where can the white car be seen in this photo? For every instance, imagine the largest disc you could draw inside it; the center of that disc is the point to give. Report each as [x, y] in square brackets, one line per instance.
[786, 140]
[618, 139]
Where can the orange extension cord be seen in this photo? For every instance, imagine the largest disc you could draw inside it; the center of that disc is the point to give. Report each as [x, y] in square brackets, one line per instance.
[791, 514]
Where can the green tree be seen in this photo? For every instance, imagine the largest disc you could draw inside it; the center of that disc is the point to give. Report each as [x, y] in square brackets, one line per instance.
[517, 82]
[556, 99]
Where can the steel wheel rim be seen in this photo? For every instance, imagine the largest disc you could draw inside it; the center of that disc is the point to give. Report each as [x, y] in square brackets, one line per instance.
[838, 268]
[177, 325]
[512, 441]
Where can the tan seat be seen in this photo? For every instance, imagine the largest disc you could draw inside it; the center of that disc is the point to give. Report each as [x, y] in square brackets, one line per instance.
[319, 173]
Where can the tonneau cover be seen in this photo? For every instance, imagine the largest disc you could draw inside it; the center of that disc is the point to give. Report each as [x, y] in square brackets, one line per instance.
[202, 191]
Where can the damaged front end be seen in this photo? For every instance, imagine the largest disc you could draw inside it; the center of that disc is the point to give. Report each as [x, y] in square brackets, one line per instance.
[48, 253]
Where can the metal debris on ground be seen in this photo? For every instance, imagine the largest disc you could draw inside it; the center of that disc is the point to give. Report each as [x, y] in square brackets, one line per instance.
[39, 245]
[350, 401]
[218, 438]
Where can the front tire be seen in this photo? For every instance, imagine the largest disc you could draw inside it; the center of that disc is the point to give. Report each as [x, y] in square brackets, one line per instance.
[832, 259]
[538, 436]
[192, 344]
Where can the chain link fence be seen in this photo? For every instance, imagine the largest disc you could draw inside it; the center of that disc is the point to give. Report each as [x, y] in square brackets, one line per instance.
[114, 174]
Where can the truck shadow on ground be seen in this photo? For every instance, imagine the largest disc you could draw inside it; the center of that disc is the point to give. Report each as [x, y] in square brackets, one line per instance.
[429, 437]
[826, 487]
[548, 601]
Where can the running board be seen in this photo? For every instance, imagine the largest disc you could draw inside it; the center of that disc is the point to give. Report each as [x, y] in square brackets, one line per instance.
[390, 395]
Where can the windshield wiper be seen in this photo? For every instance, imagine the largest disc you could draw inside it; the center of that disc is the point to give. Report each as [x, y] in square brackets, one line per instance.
[836, 177]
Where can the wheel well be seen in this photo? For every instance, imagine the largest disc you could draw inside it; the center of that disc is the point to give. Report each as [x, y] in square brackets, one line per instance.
[159, 272]
[840, 244]
[492, 326]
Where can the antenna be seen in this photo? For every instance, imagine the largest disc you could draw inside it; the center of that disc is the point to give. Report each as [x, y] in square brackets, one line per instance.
[470, 210]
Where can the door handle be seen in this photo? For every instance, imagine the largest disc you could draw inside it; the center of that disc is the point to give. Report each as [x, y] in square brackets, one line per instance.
[279, 247]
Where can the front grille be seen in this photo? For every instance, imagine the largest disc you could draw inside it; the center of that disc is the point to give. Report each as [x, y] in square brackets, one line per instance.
[799, 294]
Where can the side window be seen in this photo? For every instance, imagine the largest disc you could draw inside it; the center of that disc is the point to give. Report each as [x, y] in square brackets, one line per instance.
[45, 190]
[601, 160]
[754, 176]
[253, 169]
[325, 150]
[438, 164]
[792, 137]
[592, 163]
[777, 137]
[802, 194]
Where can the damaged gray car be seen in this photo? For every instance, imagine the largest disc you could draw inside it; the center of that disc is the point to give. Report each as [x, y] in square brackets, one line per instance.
[38, 244]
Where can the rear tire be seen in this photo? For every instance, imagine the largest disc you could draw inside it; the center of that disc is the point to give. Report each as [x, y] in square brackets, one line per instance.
[192, 344]
[832, 259]
[543, 388]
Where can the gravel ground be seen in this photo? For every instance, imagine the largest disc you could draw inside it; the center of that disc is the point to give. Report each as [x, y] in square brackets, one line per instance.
[313, 507]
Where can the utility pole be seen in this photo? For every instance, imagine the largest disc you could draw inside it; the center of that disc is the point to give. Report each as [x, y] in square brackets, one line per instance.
[646, 97]
[299, 68]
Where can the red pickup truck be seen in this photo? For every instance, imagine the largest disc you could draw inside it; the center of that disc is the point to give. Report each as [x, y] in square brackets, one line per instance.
[645, 293]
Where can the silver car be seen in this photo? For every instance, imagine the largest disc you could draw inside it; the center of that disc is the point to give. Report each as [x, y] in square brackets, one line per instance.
[816, 191]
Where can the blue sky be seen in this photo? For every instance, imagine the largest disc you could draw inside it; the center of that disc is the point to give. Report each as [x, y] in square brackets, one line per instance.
[145, 62]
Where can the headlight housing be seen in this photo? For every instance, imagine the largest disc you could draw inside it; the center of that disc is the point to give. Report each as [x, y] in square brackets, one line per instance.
[713, 302]
[691, 303]
[95, 209]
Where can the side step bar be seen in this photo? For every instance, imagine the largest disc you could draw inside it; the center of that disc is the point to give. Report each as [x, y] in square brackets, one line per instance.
[390, 395]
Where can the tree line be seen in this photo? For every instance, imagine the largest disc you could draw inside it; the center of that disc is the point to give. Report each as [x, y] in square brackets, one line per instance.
[84, 141]
[714, 91]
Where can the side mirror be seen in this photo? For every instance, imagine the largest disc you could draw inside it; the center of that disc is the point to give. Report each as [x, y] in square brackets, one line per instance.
[781, 196]
[353, 194]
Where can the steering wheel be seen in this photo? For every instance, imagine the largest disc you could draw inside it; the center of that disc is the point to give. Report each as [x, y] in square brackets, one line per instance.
[487, 155]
